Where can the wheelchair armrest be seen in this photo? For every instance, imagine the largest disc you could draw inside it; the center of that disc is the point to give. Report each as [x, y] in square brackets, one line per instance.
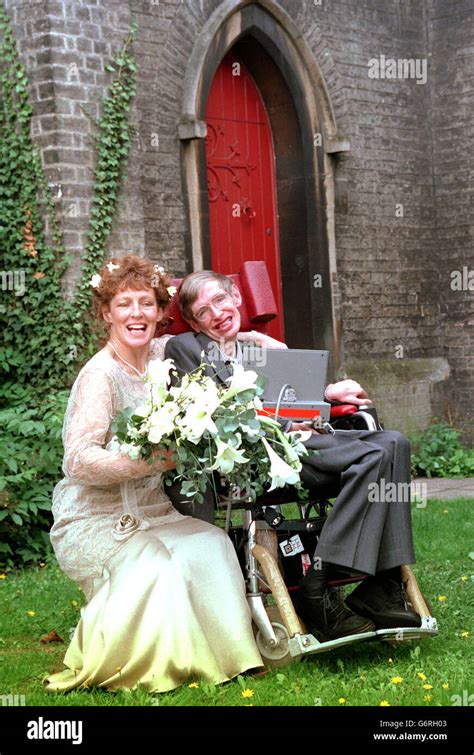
[350, 417]
[342, 410]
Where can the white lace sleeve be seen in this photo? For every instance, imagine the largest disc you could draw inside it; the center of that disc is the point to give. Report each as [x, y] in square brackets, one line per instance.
[88, 419]
[157, 347]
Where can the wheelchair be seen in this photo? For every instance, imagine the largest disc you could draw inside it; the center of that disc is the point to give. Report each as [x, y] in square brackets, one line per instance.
[274, 552]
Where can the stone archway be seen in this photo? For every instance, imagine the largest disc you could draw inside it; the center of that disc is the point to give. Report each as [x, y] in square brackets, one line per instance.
[274, 50]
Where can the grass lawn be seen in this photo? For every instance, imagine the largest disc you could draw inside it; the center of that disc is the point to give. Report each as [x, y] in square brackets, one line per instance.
[39, 599]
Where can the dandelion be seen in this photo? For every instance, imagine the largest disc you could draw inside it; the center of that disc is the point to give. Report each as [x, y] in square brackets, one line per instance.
[193, 685]
[31, 613]
[464, 578]
[445, 685]
[248, 693]
[465, 634]
[427, 686]
[384, 703]
[3, 576]
[422, 676]
[341, 700]
[445, 511]
[427, 698]
[74, 603]
[397, 679]
[441, 598]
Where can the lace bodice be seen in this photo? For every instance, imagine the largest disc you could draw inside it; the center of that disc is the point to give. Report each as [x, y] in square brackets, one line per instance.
[105, 496]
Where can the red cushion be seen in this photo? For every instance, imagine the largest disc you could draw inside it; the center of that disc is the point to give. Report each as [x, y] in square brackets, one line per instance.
[257, 308]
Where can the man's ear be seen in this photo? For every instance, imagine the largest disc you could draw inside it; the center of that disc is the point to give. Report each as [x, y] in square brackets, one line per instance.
[236, 295]
[194, 325]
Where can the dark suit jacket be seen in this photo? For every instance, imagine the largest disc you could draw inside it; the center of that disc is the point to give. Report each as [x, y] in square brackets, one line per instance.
[188, 350]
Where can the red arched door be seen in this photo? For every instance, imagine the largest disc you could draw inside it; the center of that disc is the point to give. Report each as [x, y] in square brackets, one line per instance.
[241, 178]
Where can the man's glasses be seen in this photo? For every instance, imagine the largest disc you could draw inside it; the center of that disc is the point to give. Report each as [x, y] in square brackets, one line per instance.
[218, 302]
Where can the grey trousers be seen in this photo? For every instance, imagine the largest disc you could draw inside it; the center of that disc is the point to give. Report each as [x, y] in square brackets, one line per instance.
[363, 531]
[360, 534]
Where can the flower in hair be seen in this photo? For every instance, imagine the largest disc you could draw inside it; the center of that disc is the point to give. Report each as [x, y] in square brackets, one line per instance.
[171, 290]
[95, 281]
[111, 267]
[158, 269]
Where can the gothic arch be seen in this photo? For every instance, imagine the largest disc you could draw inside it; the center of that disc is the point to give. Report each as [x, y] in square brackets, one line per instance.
[265, 23]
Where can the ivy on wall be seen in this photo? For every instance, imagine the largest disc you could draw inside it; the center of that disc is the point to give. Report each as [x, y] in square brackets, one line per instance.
[45, 337]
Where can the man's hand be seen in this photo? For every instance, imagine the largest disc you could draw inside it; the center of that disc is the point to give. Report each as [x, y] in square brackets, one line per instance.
[300, 427]
[347, 392]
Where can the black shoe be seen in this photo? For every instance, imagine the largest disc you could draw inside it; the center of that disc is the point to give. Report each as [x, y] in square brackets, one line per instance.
[328, 618]
[385, 602]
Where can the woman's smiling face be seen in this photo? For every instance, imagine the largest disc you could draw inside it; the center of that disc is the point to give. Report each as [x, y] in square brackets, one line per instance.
[133, 315]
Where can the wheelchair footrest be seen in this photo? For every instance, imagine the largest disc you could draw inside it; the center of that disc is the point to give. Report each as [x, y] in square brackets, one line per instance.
[428, 628]
[307, 644]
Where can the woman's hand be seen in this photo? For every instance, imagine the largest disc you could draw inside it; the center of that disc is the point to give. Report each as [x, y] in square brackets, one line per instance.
[159, 461]
[261, 339]
[163, 459]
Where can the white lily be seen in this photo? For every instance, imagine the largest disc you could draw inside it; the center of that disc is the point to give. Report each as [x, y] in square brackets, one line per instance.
[131, 449]
[143, 410]
[241, 380]
[159, 378]
[162, 422]
[228, 455]
[280, 472]
[159, 370]
[195, 422]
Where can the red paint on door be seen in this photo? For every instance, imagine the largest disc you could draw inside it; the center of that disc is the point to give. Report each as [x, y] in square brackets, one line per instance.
[241, 178]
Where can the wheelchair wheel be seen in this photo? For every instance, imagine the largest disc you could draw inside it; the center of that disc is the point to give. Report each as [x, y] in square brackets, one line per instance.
[275, 656]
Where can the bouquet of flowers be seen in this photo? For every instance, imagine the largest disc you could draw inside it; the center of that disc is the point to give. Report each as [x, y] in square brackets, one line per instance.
[210, 429]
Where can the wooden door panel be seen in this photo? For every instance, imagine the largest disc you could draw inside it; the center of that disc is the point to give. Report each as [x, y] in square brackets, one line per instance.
[241, 178]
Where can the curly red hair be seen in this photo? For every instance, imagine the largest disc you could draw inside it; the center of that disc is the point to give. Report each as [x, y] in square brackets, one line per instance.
[132, 272]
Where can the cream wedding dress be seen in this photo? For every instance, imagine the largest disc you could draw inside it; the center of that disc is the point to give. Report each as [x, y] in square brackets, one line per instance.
[165, 597]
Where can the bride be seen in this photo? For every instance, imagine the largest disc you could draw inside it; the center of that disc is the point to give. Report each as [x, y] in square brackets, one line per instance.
[165, 596]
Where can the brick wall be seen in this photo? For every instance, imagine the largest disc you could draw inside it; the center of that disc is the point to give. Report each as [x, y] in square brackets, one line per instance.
[411, 150]
[451, 38]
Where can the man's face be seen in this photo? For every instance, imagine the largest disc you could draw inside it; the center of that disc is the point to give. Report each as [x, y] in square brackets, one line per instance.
[216, 312]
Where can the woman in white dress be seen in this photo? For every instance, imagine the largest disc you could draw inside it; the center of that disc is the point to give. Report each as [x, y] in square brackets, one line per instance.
[165, 596]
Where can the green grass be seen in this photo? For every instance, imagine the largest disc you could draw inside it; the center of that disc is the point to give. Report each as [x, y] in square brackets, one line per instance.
[360, 674]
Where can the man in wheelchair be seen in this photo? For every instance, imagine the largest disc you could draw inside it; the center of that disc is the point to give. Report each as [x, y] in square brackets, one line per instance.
[363, 537]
